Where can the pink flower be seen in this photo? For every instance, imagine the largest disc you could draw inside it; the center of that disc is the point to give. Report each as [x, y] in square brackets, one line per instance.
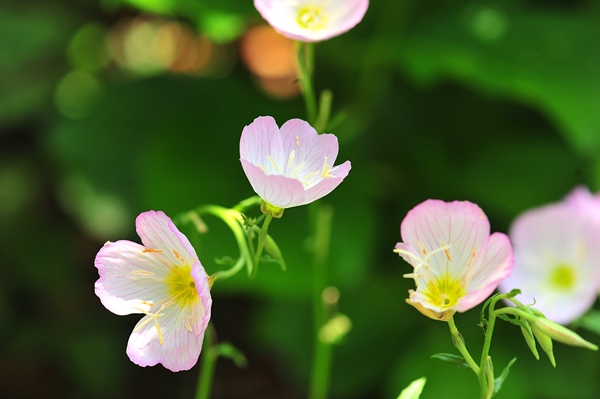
[290, 166]
[557, 257]
[164, 280]
[312, 20]
[457, 263]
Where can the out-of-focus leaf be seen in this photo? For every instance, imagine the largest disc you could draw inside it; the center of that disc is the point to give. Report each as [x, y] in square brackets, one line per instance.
[229, 351]
[525, 54]
[414, 389]
[590, 321]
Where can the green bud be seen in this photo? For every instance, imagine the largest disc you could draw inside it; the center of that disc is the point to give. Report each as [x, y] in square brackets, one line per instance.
[560, 333]
[546, 344]
[273, 251]
[528, 335]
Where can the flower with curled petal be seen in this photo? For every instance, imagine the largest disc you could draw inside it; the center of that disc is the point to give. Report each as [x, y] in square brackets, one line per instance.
[312, 20]
[291, 166]
[164, 280]
[557, 256]
[457, 263]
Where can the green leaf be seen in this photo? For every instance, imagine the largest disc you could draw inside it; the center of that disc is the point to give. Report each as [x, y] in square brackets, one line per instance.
[500, 380]
[456, 360]
[482, 320]
[414, 389]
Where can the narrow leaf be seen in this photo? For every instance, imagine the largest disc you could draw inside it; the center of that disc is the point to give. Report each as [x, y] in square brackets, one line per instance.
[229, 351]
[458, 361]
[500, 380]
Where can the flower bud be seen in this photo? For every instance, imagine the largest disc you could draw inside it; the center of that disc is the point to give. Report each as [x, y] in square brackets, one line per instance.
[559, 333]
[546, 344]
[528, 335]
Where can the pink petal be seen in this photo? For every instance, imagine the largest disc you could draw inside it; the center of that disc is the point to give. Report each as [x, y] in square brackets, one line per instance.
[130, 278]
[260, 139]
[543, 238]
[158, 231]
[279, 191]
[201, 312]
[434, 224]
[181, 347]
[282, 16]
[309, 147]
[494, 263]
[327, 185]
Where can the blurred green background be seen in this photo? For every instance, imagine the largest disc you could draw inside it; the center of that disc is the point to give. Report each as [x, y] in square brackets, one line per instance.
[110, 108]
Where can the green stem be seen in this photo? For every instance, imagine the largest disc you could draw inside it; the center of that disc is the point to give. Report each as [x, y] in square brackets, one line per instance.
[262, 237]
[324, 111]
[305, 62]
[322, 352]
[459, 342]
[209, 360]
[485, 381]
[225, 274]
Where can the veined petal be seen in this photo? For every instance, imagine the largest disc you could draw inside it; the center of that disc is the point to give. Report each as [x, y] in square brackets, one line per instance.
[337, 16]
[327, 185]
[201, 310]
[157, 231]
[180, 347]
[131, 278]
[494, 264]
[309, 148]
[261, 140]
[279, 191]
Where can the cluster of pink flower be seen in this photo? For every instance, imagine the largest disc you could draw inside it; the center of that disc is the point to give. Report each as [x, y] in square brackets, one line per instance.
[292, 166]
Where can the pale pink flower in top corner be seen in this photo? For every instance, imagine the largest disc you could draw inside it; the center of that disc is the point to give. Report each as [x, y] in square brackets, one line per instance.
[164, 280]
[457, 263]
[586, 203]
[556, 258]
[291, 166]
[312, 20]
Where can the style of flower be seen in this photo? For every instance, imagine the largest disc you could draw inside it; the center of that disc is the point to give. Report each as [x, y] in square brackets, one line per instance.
[164, 280]
[291, 166]
[556, 259]
[312, 20]
[457, 263]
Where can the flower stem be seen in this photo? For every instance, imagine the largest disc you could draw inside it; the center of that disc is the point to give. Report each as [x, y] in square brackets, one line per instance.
[305, 62]
[322, 352]
[459, 342]
[262, 237]
[209, 360]
[486, 377]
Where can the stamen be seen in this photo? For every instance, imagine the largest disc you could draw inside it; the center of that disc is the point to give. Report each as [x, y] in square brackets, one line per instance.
[305, 178]
[151, 250]
[263, 168]
[273, 162]
[448, 255]
[291, 159]
[178, 256]
[298, 169]
[142, 272]
[297, 140]
[326, 170]
[188, 326]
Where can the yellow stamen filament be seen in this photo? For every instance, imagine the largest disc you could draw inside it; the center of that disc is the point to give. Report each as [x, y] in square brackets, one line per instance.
[188, 326]
[448, 255]
[142, 273]
[326, 169]
[273, 162]
[297, 141]
[291, 159]
[178, 256]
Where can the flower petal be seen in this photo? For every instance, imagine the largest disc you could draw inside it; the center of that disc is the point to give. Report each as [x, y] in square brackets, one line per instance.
[158, 231]
[131, 278]
[327, 185]
[262, 139]
[308, 146]
[445, 232]
[494, 263]
[342, 15]
[180, 349]
[201, 311]
[279, 191]
[545, 238]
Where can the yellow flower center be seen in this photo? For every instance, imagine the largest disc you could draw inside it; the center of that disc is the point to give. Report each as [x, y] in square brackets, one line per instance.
[312, 17]
[181, 286]
[444, 291]
[563, 277]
